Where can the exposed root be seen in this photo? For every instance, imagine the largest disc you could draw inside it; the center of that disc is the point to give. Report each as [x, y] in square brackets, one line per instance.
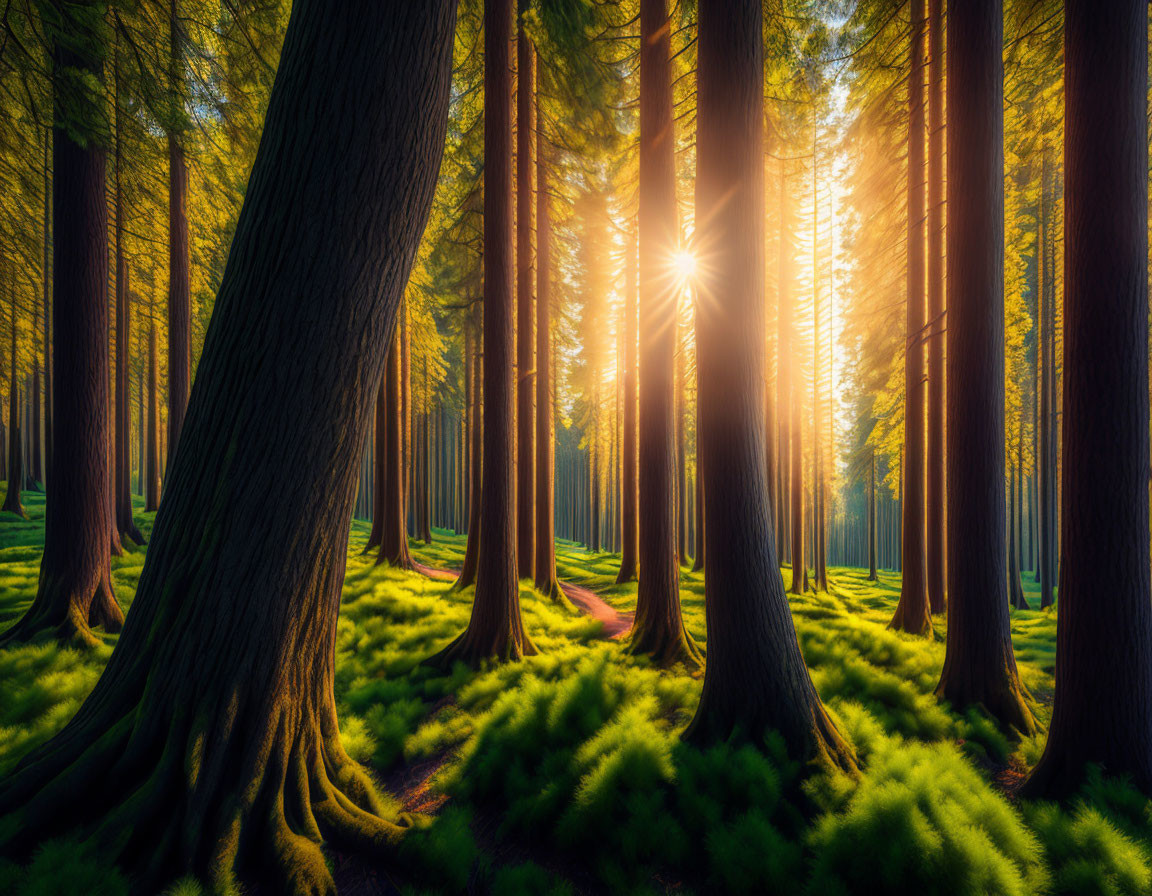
[66, 618]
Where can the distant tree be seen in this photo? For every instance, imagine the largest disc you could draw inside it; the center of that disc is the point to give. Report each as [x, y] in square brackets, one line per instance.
[755, 680]
[390, 510]
[151, 461]
[1102, 711]
[179, 289]
[253, 714]
[496, 630]
[913, 613]
[658, 629]
[15, 466]
[628, 467]
[979, 664]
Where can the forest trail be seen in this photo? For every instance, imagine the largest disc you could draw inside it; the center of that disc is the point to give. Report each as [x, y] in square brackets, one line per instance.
[432, 572]
[587, 601]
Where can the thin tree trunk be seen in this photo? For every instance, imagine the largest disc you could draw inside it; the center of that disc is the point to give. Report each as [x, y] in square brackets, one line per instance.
[784, 362]
[375, 505]
[1047, 355]
[476, 448]
[495, 629]
[658, 629]
[1102, 713]
[12, 503]
[179, 301]
[390, 488]
[872, 572]
[913, 613]
[152, 463]
[629, 469]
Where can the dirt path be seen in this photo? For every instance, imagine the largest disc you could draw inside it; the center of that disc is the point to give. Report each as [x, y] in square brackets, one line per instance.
[587, 601]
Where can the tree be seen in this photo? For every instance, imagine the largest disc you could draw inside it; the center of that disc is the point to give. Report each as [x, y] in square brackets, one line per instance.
[913, 613]
[473, 373]
[151, 460]
[75, 588]
[496, 630]
[379, 467]
[171, 699]
[179, 298]
[629, 459]
[390, 509]
[979, 665]
[658, 629]
[15, 466]
[872, 576]
[755, 679]
[1102, 710]
[934, 453]
[526, 363]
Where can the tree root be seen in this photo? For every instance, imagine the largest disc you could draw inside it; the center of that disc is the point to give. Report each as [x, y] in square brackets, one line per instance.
[67, 619]
[504, 645]
[666, 645]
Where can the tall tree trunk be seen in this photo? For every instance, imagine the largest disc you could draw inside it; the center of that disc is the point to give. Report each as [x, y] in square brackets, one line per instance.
[526, 371]
[819, 522]
[15, 469]
[755, 680]
[1016, 520]
[1047, 357]
[36, 468]
[784, 364]
[123, 523]
[495, 629]
[1103, 701]
[872, 572]
[75, 589]
[698, 504]
[629, 470]
[681, 449]
[253, 713]
[467, 575]
[179, 300]
[47, 304]
[390, 489]
[379, 468]
[979, 665]
[913, 613]
[152, 462]
[934, 454]
[658, 629]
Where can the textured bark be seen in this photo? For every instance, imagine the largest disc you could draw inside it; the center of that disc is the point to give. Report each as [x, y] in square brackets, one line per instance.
[755, 680]
[659, 627]
[934, 454]
[152, 451]
[179, 300]
[526, 371]
[1102, 712]
[496, 630]
[215, 712]
[546, 580]
[75, 590]
[819, 521]
[390, 492]
[979, 665]
[681, 451]
[913, 613]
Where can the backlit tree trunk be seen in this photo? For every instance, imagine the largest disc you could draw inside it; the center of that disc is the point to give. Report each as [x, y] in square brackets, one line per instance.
[496, 630]
[872, 574]
[390, 492]
[15, 466]
[467, 575]
[75, 589]
[658, 629]
[913, 613]
[216, 708]
[1102, 711]
[979, 665]
[526, 369]
[934, 453]
[629, 471]
[379, 470]
[152, 460]
[755, 680]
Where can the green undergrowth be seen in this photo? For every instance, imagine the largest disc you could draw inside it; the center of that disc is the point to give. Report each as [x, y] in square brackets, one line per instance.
[565, 773]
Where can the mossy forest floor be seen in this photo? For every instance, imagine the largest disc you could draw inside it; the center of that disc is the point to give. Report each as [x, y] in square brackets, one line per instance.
[565, 774]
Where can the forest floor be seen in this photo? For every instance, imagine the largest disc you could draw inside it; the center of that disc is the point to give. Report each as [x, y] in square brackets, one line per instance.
[565, 773]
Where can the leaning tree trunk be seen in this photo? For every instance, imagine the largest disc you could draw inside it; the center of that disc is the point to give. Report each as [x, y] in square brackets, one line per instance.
[658, 629]
[546, 580]
[215, 714]
[979, 665]
[495, 630]
[934, 453]
[390, 493]
[179, 301]
[755, 680]
[75, 588]
[526, 369]
[913, 612]
[629, 470]
[1102, 712]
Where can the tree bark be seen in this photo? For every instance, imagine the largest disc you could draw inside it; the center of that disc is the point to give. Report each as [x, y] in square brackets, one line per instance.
[75, 589]
[629, 469]
[658, 630]
[152, 461]
[390, 491]
[934, 454]
[496, 630]
[179, 300]
[216, 708]
[913, 613]
[467, 575]
[979, 664]
[48, 353]
[755, 680]
[784, 362]
[1047, 359]
[379, 467]
[1102, 711]
[525, 299]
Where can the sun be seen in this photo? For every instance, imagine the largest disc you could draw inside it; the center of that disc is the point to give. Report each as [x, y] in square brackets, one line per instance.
[685, 264]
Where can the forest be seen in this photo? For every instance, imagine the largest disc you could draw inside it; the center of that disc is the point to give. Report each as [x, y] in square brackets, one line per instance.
[575, 446]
